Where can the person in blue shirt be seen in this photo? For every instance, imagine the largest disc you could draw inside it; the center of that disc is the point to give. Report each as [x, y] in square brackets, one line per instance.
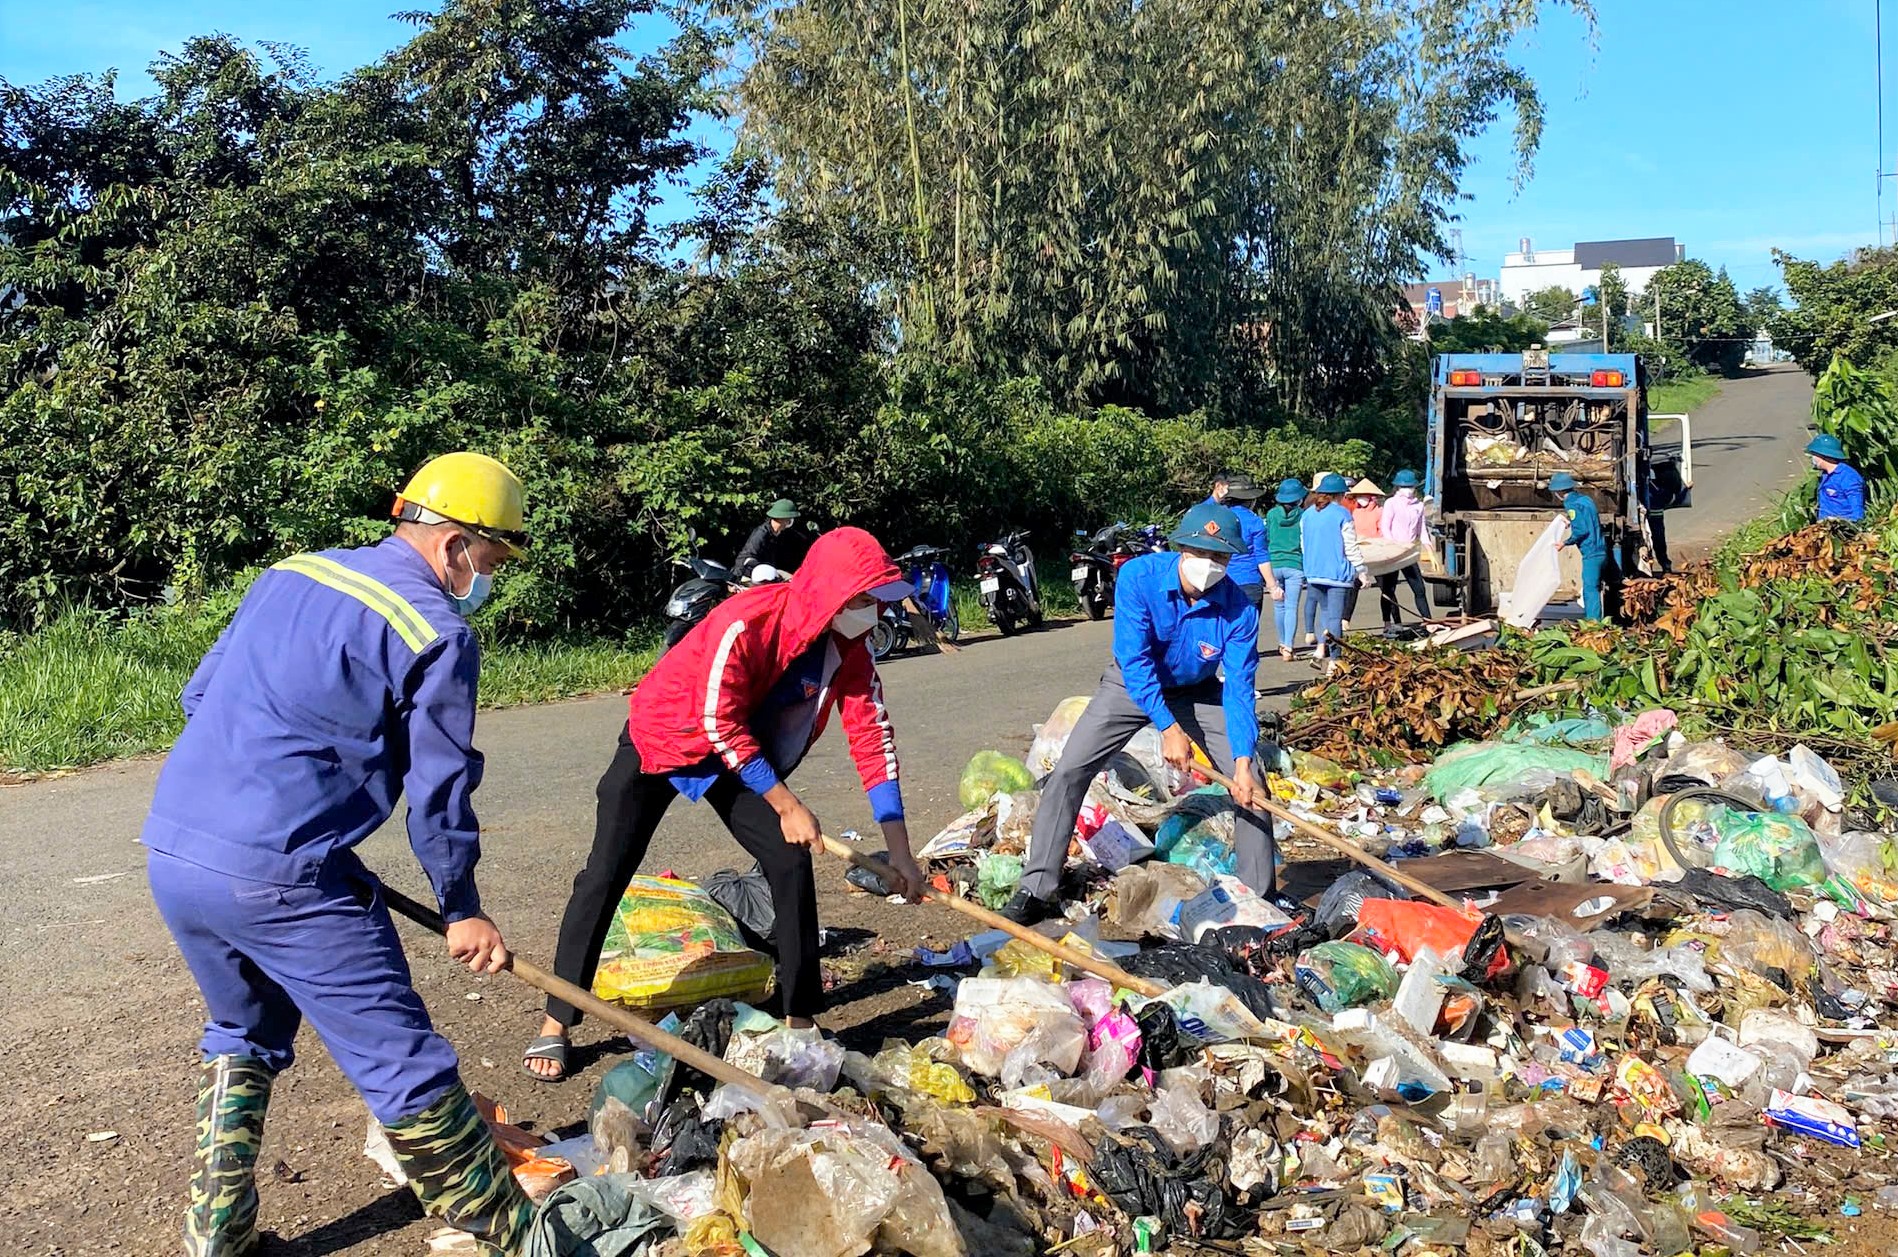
[1841, 488]
[345, 680]
[1334, 564]
[1252, 563]
[1178, 621]
[1586, 535]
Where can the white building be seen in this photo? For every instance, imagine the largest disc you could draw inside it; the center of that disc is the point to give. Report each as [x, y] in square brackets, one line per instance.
[1531, 270]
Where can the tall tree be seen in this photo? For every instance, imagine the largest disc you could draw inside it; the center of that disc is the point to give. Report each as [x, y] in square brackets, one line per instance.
[1701, 318]
[1177, 203]
[1836, 308]
[1763, 305]
[1551, 305]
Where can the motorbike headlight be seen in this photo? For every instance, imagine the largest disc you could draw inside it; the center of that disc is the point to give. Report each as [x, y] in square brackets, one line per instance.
[676, 609]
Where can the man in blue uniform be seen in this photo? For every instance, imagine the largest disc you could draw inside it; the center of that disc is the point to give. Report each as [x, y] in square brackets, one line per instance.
[1586, 535]
[1178, 621]
[1841, 488]
[1252, 560]
[345, 679]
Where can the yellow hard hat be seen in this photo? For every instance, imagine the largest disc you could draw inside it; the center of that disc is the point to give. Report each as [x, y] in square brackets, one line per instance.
[469, 489]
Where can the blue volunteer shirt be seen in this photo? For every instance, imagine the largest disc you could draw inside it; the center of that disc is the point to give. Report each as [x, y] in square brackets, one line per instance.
[1164, 642]
[1842, 494]
[345, 679]
[1584, 525]
[1244, 568]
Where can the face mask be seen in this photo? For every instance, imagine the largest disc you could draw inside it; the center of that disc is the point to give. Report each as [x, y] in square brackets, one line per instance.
[1202, 572]
[855, 622]
[479, 587]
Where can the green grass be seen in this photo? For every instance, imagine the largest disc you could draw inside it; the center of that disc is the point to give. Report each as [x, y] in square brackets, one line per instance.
[1682, 396]
[90, 688]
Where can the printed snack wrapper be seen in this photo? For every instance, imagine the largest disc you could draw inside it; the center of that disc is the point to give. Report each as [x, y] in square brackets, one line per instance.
[1809, 1115]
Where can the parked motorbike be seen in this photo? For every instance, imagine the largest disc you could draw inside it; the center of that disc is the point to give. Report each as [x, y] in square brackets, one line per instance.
[711, 583]
[1098, 564]
[1011, 592]
[924, 569]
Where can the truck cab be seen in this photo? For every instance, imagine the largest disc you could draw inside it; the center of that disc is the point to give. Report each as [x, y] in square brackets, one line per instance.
[1501, 424]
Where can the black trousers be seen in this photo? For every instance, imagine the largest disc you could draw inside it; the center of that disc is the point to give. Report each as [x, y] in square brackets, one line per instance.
[1387, 593]
[632, 802]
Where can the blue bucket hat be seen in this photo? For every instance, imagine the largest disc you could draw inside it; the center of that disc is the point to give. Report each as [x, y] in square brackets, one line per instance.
[1561, 482]
[1291, 491]
[1208, 526]
[1405, 479]
[1334, 483]
[1825, 445]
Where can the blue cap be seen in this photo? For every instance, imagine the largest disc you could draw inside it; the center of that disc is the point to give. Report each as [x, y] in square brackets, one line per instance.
[1405, 479]
[1291, 491]
[1561, 482]
[1208, 527]
[1334, 483]
[1825, 445]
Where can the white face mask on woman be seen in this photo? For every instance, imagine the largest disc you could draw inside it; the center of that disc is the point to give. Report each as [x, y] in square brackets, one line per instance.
[854, 622]
[1202, 571]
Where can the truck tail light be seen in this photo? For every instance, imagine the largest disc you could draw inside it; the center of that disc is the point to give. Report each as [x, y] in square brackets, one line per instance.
[1466, 379]
[1608, 379]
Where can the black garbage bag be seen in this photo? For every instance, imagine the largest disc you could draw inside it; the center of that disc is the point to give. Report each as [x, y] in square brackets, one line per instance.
[864, 879]
[1338, 906]
[747, 896]
[1160, 1046]
[709, 1029]
[1728, 893]
[1143, 1177]
[683, 1139]
[1176, 963]
[1480, 952]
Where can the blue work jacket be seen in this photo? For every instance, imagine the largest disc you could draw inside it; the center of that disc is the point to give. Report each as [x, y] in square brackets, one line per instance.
[1842, 494]
[1584, 525]
[345, 678]
[1244, 568]
[1162, 642]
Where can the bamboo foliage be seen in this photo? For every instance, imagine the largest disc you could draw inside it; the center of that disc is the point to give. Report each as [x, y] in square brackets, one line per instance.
[1176, 203]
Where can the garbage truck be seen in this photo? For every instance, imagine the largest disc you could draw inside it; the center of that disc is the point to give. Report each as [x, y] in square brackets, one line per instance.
[1499, 425]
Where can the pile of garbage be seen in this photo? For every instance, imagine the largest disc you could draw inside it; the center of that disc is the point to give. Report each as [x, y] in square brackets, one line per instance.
[1651, 1025]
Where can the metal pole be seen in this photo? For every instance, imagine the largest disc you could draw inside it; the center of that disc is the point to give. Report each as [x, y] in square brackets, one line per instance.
[1878, 62]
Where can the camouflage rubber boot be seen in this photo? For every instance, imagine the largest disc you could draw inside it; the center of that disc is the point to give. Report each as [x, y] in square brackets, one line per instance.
[221, 1220]
[461, 1175]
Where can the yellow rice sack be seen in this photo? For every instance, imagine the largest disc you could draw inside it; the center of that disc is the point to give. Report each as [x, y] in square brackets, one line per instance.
[671, 946]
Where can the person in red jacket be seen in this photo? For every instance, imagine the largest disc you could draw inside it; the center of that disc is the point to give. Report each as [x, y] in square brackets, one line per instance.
[723, 718]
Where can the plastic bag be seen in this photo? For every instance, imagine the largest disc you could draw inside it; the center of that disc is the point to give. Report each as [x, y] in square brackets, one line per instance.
[747, 896]
[997, 876]
[1051, 737]
[1474, 765]
[1627, 964]
[1113, 1037]
[671, 945]
[1867, 862]
[1405, 927]
[1182, 1119]
[921, 1069]
[1709, 763]
[1206, 854]
[791, 1057]
[1207, 810]
[993, 1016]
[1343, 975]
[1147, 897]
[990, 773]
[1320, 771]
[1015, 819]
[1779, 850]
[1768, 946]
[840, 1191]
[1144, 1178]
[638, 1083]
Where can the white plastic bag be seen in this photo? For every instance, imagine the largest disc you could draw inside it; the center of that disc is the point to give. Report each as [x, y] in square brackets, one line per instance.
[1537, 577]
[994, 1016]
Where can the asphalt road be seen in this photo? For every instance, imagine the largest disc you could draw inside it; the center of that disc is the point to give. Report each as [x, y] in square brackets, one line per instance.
[100, 1019]
[1748, 446]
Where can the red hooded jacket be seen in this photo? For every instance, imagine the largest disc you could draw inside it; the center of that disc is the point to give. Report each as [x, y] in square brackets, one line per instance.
[699, 699]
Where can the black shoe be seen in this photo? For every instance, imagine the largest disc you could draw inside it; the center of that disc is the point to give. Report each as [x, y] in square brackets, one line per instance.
[1027, 909]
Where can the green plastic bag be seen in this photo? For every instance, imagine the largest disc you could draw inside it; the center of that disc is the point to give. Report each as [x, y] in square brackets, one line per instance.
[991, 772]
[1474, 765]
[1344, 975]
[996, 877]
[1779, 850]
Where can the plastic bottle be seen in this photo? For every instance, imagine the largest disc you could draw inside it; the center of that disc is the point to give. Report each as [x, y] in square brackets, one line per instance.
[1718, 1226]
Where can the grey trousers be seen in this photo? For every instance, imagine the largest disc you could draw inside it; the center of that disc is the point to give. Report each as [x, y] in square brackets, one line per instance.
[1109, 723]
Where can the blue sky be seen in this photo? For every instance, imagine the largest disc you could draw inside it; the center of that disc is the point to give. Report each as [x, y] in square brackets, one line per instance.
[1732, 125]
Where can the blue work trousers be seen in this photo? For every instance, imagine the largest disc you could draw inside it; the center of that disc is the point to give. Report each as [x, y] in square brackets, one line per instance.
[1592, 567]
[1285, 610]
[265, 957]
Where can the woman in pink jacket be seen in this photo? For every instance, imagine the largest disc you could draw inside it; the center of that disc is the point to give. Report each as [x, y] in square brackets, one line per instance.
[1403, 520]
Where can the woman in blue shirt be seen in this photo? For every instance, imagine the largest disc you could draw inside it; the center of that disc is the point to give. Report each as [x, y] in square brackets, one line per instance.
[1334, 564]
